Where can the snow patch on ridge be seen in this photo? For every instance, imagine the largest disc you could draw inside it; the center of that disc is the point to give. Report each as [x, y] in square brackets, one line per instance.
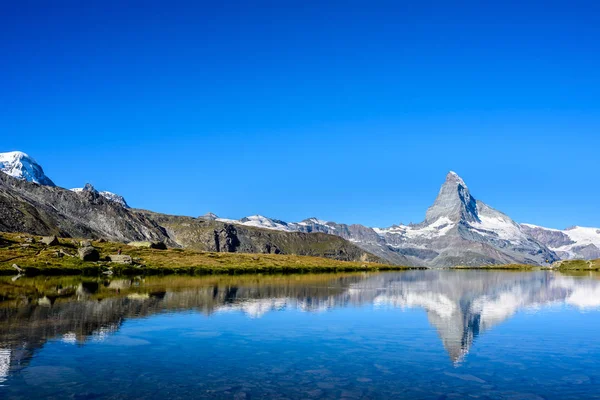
[501, 226]
[115, 198]
[439, 227]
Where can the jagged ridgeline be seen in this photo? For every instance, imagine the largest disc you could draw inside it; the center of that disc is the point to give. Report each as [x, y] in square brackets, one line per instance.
[458, 229]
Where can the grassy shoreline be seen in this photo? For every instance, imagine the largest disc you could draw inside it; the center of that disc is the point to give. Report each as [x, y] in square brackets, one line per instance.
[35, 258]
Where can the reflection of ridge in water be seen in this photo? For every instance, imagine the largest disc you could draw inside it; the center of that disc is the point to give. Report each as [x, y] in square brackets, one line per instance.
[459, 304]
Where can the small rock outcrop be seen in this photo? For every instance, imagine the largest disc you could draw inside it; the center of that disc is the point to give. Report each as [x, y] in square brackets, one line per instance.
[149, 245]
[50, 241]
[120, 259]
[88, 254]
[85, 243]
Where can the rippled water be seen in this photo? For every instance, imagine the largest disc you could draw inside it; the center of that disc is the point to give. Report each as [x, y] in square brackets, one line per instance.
[415, 334]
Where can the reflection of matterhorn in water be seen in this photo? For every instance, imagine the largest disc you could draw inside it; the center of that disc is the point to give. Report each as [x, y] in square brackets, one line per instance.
[459, 304]
[463, 304]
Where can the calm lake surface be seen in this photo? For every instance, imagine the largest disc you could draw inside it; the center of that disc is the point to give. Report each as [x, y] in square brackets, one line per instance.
[414, 334]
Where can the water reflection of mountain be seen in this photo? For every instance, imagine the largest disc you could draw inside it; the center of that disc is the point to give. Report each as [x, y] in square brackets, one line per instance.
[459, 304]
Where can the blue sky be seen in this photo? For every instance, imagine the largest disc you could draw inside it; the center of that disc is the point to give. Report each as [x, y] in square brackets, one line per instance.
[348, 111]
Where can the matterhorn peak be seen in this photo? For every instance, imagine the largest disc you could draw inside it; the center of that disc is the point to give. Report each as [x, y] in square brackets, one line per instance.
[454, 177]
[21, 166]
[454, 201]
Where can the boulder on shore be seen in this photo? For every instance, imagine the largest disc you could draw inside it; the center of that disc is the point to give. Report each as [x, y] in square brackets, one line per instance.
[120, 259]
[88, 254]
[50, 241]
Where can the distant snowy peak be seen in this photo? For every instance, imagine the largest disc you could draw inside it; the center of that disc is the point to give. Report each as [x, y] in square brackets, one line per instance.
[115, 198]
[573, 242]
[210, 216]
[21, 166]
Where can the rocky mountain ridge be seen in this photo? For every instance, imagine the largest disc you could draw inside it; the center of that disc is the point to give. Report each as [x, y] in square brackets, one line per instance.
[458, 230]
[571, 243]
[115, 198]
[26, 206]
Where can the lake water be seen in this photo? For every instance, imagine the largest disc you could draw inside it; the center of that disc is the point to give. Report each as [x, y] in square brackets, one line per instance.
[414, 334]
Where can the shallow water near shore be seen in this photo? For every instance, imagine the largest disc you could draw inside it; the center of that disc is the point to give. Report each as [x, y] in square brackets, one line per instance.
[412, 334]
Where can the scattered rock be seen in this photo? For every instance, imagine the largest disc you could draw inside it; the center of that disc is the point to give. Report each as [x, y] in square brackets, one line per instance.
[88, 254]
[50, 241]
[85, 243]
[120, 259]
[149, 245]
[58, 254]
[102, 240]
[25, 245]
[19, 269]
[29, 240]
[64, 253]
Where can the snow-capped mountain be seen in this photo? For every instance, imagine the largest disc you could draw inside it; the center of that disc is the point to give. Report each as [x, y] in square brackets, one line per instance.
[115, 198]
[458, 230]
[21, 166]
[570, 243]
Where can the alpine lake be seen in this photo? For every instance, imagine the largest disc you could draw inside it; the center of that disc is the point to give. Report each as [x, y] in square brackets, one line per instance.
[416, 334]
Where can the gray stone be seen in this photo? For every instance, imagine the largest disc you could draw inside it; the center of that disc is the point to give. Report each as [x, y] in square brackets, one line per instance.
[120, 259]
[50, 241]
[85, 243]
[88, 254]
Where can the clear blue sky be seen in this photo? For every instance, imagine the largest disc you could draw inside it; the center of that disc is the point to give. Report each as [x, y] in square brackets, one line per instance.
[348, 111]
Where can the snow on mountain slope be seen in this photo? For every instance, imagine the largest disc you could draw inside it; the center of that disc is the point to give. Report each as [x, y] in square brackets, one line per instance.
[259, 221]
[21, 166]
[437, 228]
[570, 243]
[115, 198]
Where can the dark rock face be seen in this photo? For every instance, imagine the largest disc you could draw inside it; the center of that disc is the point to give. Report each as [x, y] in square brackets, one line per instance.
[158, 245]
[88, 254]
[226, 239]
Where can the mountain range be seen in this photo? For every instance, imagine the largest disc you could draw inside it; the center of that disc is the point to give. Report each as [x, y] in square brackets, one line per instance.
[458, 229]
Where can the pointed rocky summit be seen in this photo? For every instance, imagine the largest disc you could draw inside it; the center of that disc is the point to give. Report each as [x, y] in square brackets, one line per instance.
[454, 201]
